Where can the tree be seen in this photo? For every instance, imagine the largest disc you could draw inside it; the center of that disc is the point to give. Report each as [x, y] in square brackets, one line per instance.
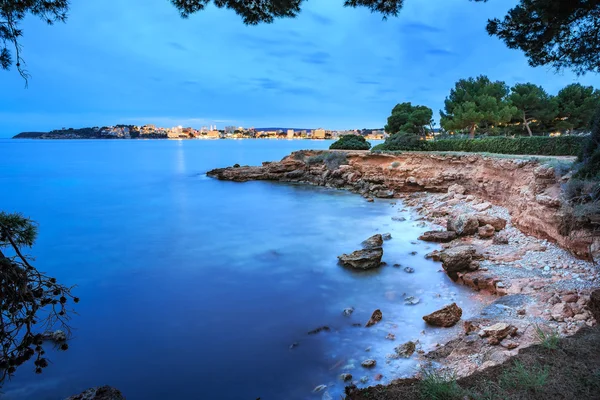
[558, 33]
[350, 142]
[474, 102]
[576, 106]
[409, 119]
[533, 103]
[31, 303]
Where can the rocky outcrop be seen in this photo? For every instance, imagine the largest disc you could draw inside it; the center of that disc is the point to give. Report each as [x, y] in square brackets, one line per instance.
[99, 393]
[530, 191]
[446, 317]
[463, 224]
[362, 259]
[459, 259]
[373, 242]
[438, 236]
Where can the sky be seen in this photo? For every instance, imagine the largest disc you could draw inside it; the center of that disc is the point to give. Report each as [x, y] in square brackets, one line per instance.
[138, 62]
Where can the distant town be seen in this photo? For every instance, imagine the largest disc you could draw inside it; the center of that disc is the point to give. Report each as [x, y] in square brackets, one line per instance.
[206, 132]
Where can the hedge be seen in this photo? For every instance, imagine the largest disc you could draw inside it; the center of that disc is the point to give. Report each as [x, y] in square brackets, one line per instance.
[350, 142]
[536, 145]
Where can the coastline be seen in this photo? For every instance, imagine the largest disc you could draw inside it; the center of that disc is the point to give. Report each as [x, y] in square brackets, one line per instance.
[535, 282]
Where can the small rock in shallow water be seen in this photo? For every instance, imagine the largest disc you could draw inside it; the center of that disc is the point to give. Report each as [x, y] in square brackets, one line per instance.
[390, 336]
[373, 242]
[346, 377]
[406, 350]
[364, 379]
[319, 329]
[446, 317]
[396, 265]
[293, 345]
[413, 253]
[378, 377]
[386, 236]
[375, 318]
[411, 300]
[348, 311]
[398, 219]
[368, 349]
[370, 363]
[409, 270]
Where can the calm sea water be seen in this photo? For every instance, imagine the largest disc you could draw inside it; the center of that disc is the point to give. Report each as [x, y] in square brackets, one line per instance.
[194, 288]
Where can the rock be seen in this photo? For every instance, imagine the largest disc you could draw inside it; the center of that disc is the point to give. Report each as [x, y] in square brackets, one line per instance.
[375, 318]
[364, 379]
[319, 329]
[497, 222]
[438, 236]
[458, 259]
[561, 311]
[457, 189]
[409, 270]
[500, 238]
[370, 200]
[434, 255]
[594, 304]
[319, 388]
[370, 363]
[482, 206]
[390, 336]
[463, 224]
[446, 317]
[396, 265]
[398, 219]
[99, 393]
[509, 344]
[362, 259]
[570, 298]
[373, 242]
[378, 377]
[294, 345]
[346, 377]
[348, 311]
[499, 331]
[386, 236]
[406, 350]
[411, 300]
[486, 231]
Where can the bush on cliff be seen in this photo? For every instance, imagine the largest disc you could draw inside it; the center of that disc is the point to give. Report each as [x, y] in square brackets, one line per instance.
[590, 156]
[536, 145]
[350, 142]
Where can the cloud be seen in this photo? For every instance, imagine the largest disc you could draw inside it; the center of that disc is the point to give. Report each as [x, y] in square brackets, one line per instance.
[178, 46]
[419, 27]
[440, 52]
[321, 19]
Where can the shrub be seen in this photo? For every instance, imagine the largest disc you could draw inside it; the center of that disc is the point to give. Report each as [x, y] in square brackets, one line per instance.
[332, 160]
[590, 154]
[536, 145]
[547, 340]
[436, 385]
[350, 142]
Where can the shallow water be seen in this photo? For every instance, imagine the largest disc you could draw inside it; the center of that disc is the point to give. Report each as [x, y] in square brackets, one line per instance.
[196, 288]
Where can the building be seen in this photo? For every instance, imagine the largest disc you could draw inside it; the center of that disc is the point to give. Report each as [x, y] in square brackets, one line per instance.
[290, 133]
[318, 133]
[213, 134]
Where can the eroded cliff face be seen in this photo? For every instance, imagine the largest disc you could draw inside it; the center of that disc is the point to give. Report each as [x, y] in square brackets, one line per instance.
[530, 191]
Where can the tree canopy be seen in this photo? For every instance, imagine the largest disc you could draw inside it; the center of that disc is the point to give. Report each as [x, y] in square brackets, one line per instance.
[351, 142]
[476, 102]
[532, 103]
[409, 119]
[577, 104]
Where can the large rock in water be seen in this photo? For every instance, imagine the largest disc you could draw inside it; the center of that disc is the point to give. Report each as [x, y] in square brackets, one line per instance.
[362, 259]
[463, 224]
[373, 242]
[446, 317]
[459, 259]
[99, 393]
[438, 236]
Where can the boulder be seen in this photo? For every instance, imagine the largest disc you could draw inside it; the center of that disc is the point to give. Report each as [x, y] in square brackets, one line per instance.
[438, 236]
[446, 317]
[99, 393]
[561, 311]
[434, 255]
[499, 331]
[406, 350]
[370, 363]
[459, 259]
[362, 259]
[463, 224]
[375, 318]
[500, 238]
[497, 222]
[457, 189]
[486, 231]
[373, 242]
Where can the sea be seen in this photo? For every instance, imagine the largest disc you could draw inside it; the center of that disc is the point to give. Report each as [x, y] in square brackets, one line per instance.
[194, 288]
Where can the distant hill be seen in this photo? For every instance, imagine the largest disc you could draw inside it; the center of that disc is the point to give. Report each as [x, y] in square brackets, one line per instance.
[29, 135]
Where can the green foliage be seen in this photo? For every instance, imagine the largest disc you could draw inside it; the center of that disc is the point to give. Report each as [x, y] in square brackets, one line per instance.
[332, 160]
[536, 145]
[476, 102]
[577, 105]
[532, 103]
[350, 142]
[558, 33]
[548, 340]
[531, 378]
[23, 230]
[436, 385]
[590, 156]
[410, 119]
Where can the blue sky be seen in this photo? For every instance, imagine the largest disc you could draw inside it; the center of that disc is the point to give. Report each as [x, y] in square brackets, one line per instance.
[137, 61]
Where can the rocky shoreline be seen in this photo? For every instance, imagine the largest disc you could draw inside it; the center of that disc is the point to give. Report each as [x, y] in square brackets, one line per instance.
[500, 225]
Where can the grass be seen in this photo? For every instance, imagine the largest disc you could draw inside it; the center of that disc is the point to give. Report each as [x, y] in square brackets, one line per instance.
[437, 385]
[521, 378]
[548, 340]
